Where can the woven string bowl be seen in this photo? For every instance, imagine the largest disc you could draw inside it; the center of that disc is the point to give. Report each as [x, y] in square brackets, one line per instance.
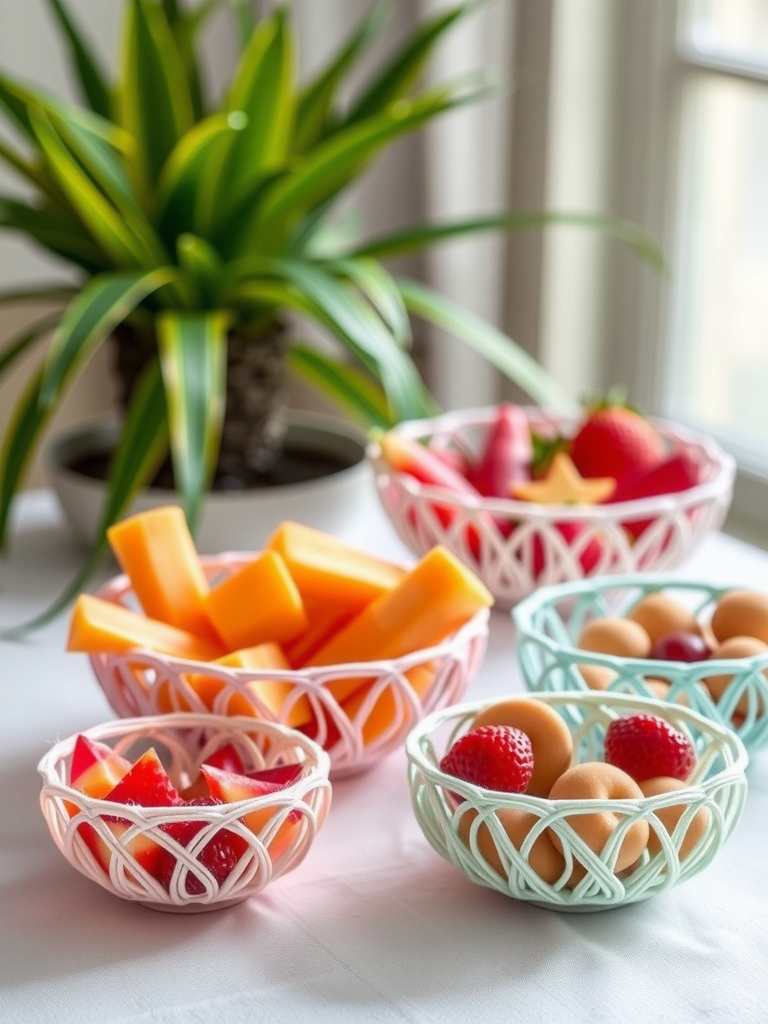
[549, 622]
[143, 682]
[517, 546]
[183, 742]
[440, 801]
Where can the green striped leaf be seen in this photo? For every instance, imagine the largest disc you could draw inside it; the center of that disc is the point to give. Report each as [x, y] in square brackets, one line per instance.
[20, 101]
[26, 169]
[316, 100]
[103, 303]
[54, 232]
[406, 67]
[21, 436]
[108, 170]
[263, 90]
[93, 84]
[156, 105]
[381, 290]
[335, 163]
[142, 447]
[186, 175]
[488, 341]
[357, 326]
[193, 357]
[416, 239]
[19, 344]
[202, 266]
[351, 391]
[103, 221]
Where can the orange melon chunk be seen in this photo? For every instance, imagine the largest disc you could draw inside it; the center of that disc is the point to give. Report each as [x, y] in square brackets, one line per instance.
[99, 626]
[437, 596]
[259, 603]
[273, 693]
[323, 620]
[329, 570]
[157, 552]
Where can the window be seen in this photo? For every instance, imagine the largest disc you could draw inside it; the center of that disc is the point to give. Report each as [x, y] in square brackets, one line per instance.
[690, 162]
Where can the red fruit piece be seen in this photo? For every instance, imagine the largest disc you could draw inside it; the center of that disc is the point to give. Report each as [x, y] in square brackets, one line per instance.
[231, 787]
[615, 440]
[677, 473]
[219, 855]
[226, 757]
[281, 774]
[496, 757]
[680, 646]
[404, 455]
[645, 746]
[86, 753]
[506, 455]
[146, 783]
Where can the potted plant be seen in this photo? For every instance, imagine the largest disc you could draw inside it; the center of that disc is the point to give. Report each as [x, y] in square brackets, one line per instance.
[195, 225]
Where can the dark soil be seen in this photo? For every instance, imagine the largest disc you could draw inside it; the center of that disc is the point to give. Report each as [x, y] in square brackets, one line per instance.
[294, 466]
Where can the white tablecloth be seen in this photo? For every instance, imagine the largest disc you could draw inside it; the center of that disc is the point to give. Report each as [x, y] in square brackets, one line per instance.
[373, 926]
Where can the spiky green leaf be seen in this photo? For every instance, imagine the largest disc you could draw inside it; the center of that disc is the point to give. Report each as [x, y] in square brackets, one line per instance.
[316, 100]
[193, 352]
[187, 177]
[416, 239]
[88, 73]
[21, 342]
[488, 341]
[262, 89]
[102, 219]
[104, 302]
[361, 330]
[156, 107]
[350, 390]
[404, 69]
[380, 288]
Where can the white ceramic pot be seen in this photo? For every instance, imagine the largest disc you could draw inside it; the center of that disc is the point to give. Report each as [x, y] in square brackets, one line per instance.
[237, 520]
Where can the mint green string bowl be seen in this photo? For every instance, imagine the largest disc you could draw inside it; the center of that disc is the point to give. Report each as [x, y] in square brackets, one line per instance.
[453, 814]
[549, 622]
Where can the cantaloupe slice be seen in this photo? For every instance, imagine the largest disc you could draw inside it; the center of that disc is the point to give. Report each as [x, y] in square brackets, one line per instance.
[437, 596]
[327, 569]
[157, 552]
[99, 626]
[273, 693]
[257, 604]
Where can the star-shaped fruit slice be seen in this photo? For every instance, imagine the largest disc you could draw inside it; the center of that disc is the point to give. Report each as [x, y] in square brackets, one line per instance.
[564, 485]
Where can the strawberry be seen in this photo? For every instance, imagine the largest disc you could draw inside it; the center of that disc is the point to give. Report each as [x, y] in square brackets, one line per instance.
[496, 757]
[645, 746]
[614, 440]
[219, 855]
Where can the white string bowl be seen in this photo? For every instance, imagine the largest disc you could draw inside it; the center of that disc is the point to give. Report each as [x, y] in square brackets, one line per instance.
[717, 787]
[146, 683]
[549, 622]
[289, 819]
[517, 546]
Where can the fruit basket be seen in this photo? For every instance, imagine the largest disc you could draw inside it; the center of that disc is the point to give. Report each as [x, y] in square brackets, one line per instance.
[190, 853]
[731, 691]
[477, 829]
[357, 732]
[516, 546]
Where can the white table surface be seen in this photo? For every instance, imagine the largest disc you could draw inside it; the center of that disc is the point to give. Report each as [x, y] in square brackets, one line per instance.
[373, 925]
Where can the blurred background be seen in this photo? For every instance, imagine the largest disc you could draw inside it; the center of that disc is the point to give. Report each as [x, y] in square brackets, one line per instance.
[655, 111]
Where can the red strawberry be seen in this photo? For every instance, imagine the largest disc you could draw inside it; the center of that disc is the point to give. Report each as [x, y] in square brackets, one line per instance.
[615, 440]
[219, 855]
[496, 757]
[645, 746]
